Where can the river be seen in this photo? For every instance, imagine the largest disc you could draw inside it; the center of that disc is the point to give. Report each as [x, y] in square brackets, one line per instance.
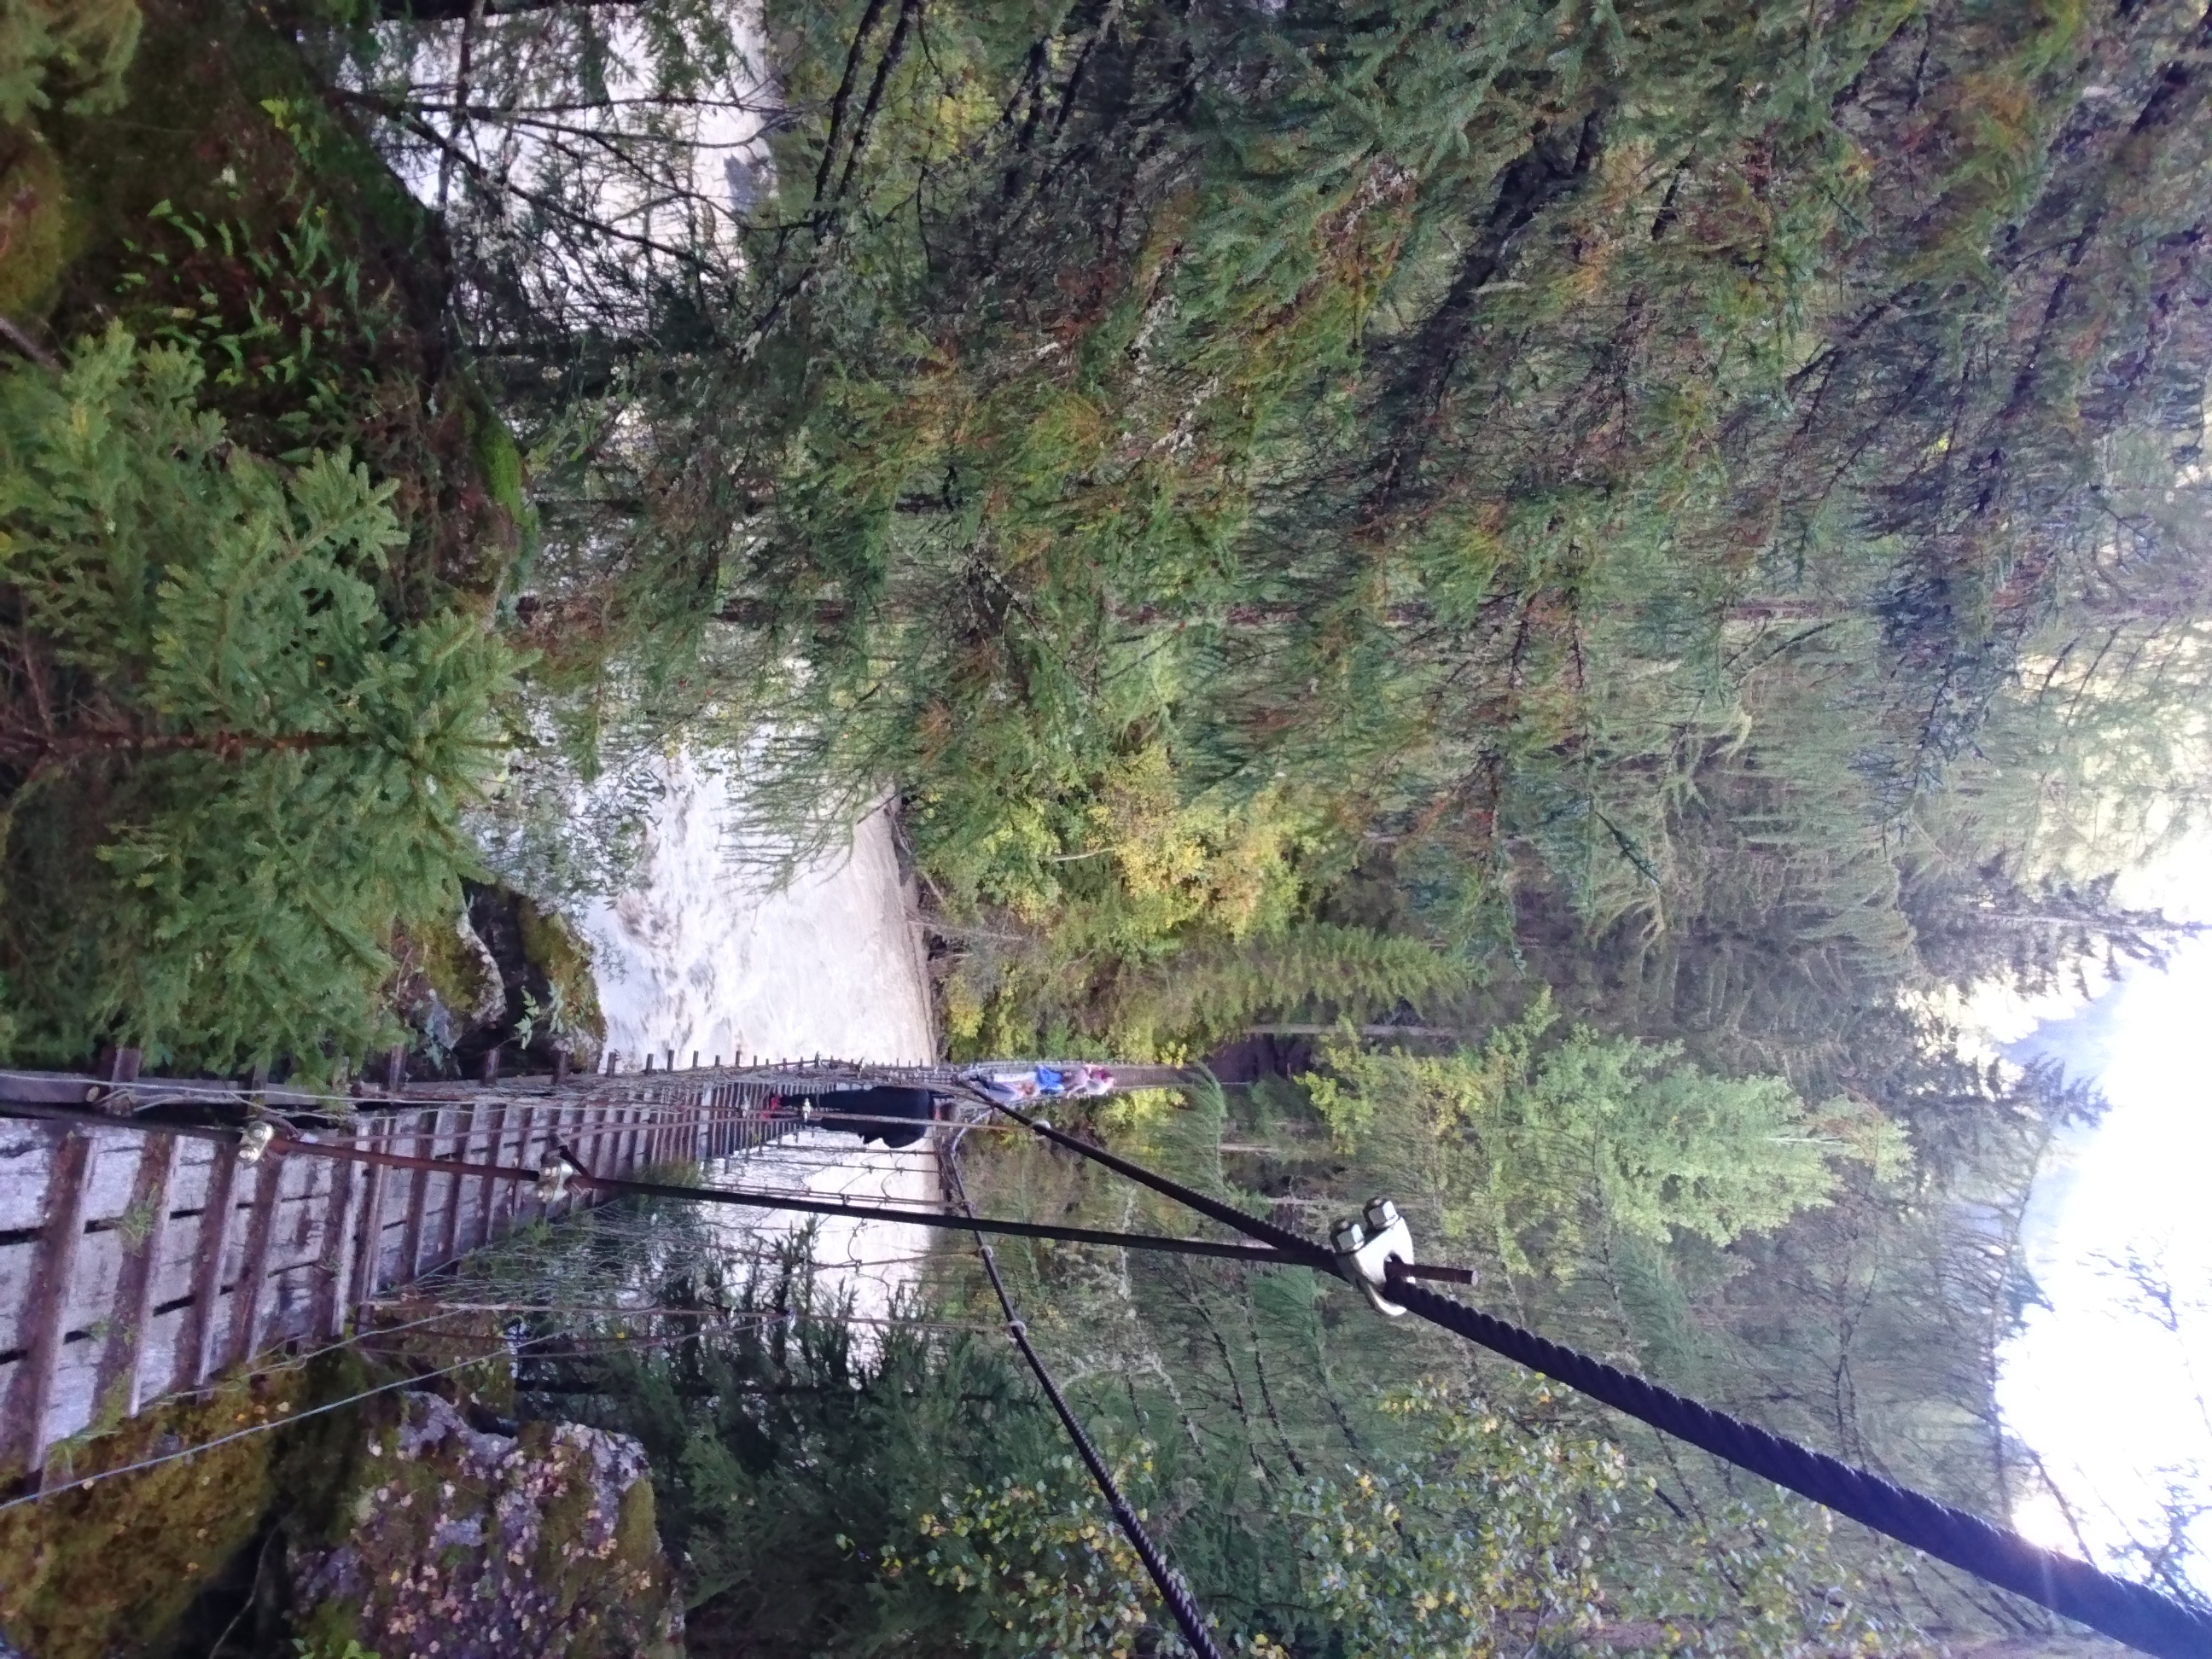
[706, 955]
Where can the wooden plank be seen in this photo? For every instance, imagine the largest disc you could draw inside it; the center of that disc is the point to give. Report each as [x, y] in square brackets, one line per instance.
[476, 1225]
[449, 1239]
[303, 1207]
[602, 1154]
[27, 1152]
[213, 1243]
[594, 1151]
[340, 1227]
[245, 1296]
[490, 1189]
[33, 1391]
[144, 1232]
[522, 1207]
[289, 1301]
[418, 1197]
[368, 1247]
[93, 1287]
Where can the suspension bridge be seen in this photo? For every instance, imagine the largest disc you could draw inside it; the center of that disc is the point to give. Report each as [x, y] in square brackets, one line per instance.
[146, 1247]
[156, 1232]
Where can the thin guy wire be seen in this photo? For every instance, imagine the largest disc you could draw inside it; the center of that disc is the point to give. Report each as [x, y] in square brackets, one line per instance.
[1172, 1591]
[40, 1497]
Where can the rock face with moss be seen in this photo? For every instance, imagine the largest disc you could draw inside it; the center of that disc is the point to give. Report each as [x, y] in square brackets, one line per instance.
[471, 1545]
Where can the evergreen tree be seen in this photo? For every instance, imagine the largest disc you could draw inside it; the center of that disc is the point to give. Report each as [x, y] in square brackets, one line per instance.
[227, 772]
[1537, 1145]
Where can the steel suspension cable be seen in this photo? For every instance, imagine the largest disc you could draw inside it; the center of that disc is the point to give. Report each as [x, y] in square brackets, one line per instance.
[1172, 1591]
[2141, 1617]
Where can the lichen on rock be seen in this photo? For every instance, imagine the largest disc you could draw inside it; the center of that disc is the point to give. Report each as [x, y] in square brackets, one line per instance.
[467, 1544]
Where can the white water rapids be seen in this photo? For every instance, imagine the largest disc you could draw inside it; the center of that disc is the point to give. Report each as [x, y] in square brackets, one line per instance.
[705, 956]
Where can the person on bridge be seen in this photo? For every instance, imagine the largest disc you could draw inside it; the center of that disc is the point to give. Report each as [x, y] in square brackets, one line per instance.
[916, 1107]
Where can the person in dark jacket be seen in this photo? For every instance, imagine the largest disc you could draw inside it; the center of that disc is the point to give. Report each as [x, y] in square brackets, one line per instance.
[882, 1100]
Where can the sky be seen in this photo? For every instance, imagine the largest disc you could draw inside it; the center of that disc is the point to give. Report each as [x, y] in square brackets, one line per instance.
[2106, 1386]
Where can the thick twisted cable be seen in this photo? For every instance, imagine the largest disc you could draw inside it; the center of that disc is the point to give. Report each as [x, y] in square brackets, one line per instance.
[2136, 1615]
[1188, 1617]
[2133, 1613]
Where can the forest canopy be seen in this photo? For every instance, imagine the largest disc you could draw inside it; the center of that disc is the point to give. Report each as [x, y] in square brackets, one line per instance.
[1584, 570]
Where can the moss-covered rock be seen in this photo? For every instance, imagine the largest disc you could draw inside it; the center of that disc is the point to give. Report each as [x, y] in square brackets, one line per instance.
[563, 958]
[34, 224]
[490, 1544]
[107, 1572]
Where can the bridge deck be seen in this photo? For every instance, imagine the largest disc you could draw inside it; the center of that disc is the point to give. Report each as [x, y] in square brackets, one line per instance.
[137, 1262]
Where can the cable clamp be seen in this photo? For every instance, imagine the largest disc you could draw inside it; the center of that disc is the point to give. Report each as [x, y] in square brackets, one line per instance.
[255, 1141]
[553, 1181]
[1364, 1247]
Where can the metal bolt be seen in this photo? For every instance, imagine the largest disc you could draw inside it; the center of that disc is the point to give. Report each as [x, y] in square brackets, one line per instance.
[1382, 1214]
[1346, 1235]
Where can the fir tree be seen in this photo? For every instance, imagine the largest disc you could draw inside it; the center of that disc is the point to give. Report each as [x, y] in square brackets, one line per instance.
[227, 772]
[1539, 1146]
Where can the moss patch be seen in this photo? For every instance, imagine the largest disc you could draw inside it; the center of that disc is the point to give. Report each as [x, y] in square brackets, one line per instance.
[108, 1570]
[556, 951]
[34, 225]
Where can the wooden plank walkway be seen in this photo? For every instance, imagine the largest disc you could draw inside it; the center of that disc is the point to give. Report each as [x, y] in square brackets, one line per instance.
[137, 1262]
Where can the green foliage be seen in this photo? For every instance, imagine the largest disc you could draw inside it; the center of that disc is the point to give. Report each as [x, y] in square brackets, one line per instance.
[1507, 1532]
[1535, 1145]
[1183, 991]
[788, 1462]
[228, 771]
[72, 53]
[283, 301]
[914, 1496]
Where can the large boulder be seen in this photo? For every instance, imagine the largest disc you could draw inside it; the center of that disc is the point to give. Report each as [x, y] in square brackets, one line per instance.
[469, 1544]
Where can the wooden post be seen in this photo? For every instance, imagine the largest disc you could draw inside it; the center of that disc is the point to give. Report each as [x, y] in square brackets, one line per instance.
[194, 1343]
[253, 1270]
[369, 1252]
[118, 1067]
[560, 1067]
[491, 1072]
[329, 1316]
[145, 1223]
[46, 1309]
[418, 1194]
